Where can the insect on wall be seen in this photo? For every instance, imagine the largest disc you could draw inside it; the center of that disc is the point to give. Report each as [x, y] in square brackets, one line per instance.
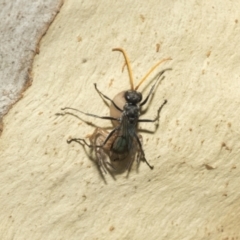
[116, 150]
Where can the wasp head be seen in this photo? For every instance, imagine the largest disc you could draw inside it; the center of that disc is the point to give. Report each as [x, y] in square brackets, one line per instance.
[133, 97]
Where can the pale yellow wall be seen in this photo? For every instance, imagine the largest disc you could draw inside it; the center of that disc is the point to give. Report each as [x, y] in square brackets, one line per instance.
[51, 190]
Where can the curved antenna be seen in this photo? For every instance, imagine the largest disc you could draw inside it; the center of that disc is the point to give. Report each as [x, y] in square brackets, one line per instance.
[128, 65]
[150, 71]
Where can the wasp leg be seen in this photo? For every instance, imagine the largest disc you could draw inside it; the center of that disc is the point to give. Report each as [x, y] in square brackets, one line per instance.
[114, 104]
[80, 141]
[68, 113]
[97, 139]
[98, 151]
[139, 153]
[154, 120]
[141, 149]
[88, 114]
[108, 137]
[152, 88]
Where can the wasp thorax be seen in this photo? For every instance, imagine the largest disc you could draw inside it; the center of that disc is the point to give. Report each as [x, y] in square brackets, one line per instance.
[131, 112]
[133, 97]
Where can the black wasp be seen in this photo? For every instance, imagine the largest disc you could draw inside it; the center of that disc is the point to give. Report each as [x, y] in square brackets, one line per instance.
[123, 141]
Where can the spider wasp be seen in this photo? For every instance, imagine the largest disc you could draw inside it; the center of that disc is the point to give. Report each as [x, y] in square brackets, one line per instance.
[123, 142]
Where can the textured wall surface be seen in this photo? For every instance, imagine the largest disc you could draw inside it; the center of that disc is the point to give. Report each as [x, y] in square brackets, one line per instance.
[22, 25]
[52, 190]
